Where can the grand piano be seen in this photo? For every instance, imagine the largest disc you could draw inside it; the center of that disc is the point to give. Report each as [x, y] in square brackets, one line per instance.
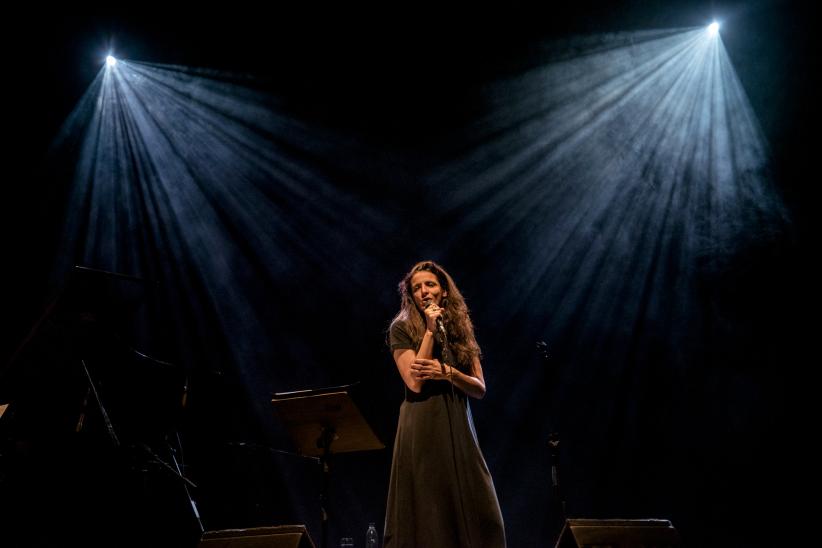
[89, 445]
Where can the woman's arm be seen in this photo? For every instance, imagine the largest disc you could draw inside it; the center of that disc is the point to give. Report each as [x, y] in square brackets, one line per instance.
[404, 358]
[473, 385]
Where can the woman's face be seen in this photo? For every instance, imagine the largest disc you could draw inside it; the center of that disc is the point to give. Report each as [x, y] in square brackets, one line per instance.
[426, 287]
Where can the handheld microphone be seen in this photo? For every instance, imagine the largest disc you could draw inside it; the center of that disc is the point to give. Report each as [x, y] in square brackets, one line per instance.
[440, 324]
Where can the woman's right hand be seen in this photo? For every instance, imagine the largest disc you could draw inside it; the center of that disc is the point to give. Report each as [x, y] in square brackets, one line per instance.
[432, 312]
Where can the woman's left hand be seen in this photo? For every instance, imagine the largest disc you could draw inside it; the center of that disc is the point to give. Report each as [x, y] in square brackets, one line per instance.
[424, 370]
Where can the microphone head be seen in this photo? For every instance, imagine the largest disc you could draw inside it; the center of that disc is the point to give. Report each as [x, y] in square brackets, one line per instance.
[440, 325]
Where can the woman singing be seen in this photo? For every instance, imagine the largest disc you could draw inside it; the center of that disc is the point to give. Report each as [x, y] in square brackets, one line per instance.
[440, 492]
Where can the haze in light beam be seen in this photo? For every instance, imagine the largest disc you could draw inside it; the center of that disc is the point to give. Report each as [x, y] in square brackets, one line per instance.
[204, 185]
[608, 189]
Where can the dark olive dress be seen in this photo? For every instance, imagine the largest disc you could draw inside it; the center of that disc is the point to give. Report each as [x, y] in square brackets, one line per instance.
[441, 494]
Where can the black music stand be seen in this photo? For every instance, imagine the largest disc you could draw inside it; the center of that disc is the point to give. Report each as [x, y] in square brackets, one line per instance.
[321, 423]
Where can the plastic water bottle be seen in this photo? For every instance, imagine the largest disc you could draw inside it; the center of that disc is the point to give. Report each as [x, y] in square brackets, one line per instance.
[371, 538]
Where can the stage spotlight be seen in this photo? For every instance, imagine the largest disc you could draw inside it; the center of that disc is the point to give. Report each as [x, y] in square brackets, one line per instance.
[110, 61]
[713, 29]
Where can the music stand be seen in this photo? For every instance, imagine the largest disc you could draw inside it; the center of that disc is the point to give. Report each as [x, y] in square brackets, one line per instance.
[321, 423]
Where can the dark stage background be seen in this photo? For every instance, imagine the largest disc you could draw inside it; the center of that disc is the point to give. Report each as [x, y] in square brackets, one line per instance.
[684, 401]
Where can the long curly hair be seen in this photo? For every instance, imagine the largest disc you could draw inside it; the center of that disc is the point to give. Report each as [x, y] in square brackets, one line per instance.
[458, 325]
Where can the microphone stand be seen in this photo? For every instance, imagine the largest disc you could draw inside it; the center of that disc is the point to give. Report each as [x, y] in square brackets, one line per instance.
[175, 469]
[553, 451]
[112, 434]
[553, 447]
